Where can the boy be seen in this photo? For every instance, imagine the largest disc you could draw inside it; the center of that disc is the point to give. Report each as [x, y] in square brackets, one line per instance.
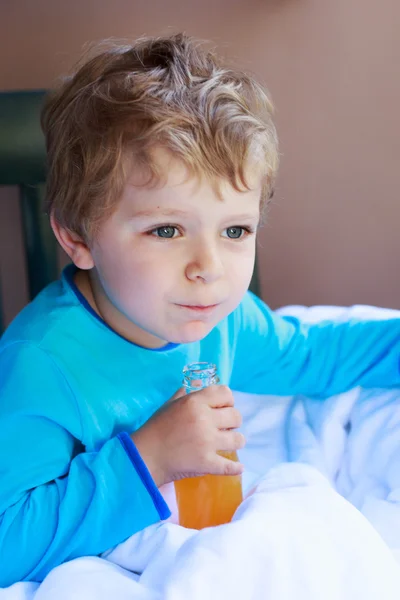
[160, 162]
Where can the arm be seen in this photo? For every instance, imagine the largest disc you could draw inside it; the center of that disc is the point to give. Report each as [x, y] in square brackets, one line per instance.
[58, 502]
[282, 355]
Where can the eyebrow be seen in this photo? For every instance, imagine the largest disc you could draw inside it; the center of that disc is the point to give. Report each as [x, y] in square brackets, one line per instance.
[160, 213]
[183, 213]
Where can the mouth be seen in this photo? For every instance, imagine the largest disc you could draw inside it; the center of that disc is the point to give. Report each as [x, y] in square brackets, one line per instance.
[200, 309]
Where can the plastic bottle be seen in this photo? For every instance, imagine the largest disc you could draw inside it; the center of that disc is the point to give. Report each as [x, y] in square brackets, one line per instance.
[206, 500]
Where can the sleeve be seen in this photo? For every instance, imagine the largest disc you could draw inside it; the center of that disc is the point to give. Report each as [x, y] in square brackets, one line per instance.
[58, 502]
[285, 356]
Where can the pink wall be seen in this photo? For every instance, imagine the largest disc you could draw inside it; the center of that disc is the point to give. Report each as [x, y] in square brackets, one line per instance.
[332, 69]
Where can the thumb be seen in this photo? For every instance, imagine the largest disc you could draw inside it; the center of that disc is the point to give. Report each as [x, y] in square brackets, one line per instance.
[178, 394]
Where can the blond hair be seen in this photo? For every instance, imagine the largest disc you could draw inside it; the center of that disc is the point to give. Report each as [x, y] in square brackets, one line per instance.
[126, 101]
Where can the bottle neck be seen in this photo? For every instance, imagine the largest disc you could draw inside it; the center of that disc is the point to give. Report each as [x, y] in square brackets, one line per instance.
[197, 376]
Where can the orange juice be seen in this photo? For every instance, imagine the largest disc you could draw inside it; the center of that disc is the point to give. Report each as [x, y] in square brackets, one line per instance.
[209, 499]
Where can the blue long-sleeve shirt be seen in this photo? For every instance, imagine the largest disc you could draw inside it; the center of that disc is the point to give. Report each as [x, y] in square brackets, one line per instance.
[72, 390]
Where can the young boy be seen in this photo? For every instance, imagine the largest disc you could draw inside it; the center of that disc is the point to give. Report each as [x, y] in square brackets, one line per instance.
[160, 163]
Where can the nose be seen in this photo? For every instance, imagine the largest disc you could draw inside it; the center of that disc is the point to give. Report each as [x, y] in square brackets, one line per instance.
[205, 264]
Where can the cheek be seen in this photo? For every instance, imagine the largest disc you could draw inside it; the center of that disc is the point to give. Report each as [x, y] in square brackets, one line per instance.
[131, 282]
[241, 269]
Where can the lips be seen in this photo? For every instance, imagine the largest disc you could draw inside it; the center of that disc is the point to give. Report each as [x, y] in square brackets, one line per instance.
[199, 308]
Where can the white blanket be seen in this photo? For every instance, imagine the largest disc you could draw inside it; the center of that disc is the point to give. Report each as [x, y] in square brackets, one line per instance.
[322, 523]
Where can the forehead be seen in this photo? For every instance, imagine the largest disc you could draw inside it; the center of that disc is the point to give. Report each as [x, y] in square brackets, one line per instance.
[176, 184]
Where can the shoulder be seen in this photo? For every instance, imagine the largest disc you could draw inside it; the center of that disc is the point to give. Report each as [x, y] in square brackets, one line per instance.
[31, 372]
[253, 313]
[42, 316]
[255, 323]
[55, 322]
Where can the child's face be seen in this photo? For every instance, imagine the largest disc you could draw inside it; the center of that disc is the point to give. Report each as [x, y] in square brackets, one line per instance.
[173, 261]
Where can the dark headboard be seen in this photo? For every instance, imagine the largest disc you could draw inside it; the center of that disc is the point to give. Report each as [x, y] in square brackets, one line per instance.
[22, 163]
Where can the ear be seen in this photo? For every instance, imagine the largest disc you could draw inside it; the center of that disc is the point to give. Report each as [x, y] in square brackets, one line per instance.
[78, 251]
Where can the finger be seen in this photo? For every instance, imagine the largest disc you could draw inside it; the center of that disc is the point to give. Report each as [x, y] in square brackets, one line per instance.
[224, 466]
[228, 418]
[218, 396]
[229, 441]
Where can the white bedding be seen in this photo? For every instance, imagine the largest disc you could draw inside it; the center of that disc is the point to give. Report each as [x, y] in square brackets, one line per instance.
[322, 523]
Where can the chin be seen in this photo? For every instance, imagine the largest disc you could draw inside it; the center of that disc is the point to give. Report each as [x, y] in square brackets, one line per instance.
[194, 332]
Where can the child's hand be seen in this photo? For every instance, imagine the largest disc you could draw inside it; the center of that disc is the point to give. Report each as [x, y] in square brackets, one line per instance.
[183, 438]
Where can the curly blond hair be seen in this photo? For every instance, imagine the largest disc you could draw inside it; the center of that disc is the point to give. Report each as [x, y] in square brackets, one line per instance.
[159, 92]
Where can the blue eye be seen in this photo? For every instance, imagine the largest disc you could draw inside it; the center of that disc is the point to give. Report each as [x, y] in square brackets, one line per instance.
[167, 231]
[235, 233]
